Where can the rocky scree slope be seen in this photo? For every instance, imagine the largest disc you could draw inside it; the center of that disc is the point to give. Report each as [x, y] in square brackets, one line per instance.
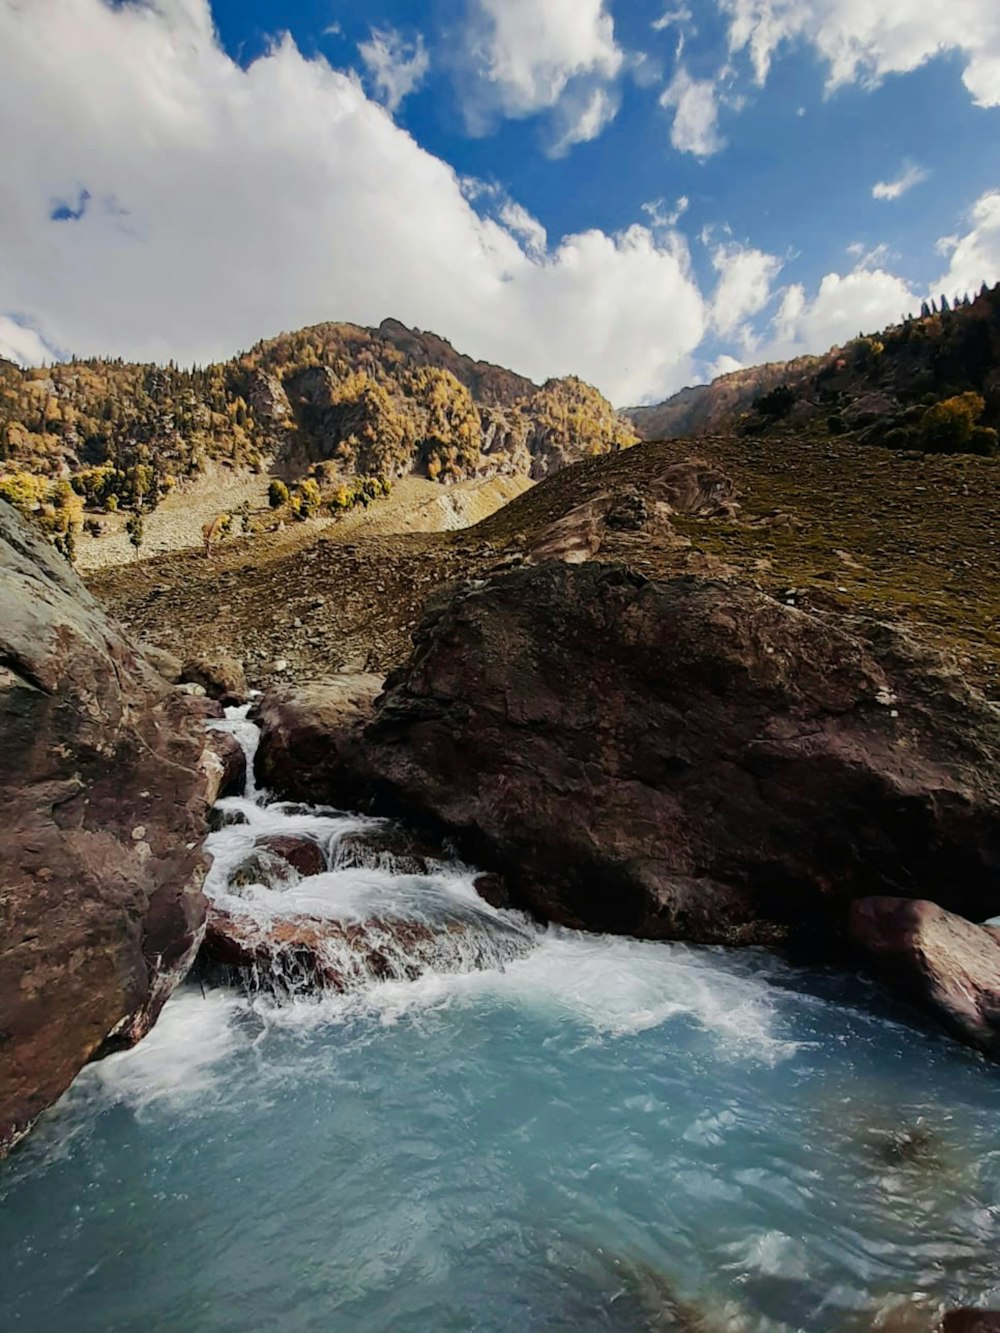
[105, 784]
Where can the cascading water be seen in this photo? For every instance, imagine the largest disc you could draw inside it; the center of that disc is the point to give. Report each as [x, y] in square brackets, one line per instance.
[417, 1112]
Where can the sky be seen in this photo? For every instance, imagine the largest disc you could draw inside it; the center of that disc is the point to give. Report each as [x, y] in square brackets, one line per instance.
[645, 193]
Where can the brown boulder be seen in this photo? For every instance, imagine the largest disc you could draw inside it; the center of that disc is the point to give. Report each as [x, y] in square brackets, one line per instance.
[220, 676]
[305, 734]
[104, 807]
[971, 1321]
[938, 960]
[688, 758]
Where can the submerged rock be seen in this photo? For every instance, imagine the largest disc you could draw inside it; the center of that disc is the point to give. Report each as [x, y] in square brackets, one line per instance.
[940, 961]
[387, 846]
[220, 676]
[305, 735]
[689, 758]
[104, 802]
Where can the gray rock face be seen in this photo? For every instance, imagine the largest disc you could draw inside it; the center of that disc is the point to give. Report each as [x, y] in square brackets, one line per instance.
[940, 961]
[103, 793]
[689, 758]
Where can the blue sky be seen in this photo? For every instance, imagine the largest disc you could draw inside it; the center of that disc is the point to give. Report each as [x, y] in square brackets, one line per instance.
[640, 192]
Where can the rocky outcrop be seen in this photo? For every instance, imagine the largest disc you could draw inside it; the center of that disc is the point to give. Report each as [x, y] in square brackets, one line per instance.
[695, 488]
[104, 807]
[220, 676]
[306, 734]
[688, 758]
[939, 961]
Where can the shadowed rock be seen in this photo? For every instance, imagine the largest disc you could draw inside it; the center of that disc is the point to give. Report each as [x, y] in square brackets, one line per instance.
[104, 798]
[940, 961]
[687, 758]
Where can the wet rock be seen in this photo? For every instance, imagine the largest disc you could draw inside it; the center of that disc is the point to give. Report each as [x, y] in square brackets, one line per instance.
[492, 890]
[225, 762]
[220, 818]
[688, 758]
[387, 847]
[971, 1321]
[201, 706]
[219, 675]
[305, 953]
[304, 854]
[938, 960]
[104, 810]
[305, 733]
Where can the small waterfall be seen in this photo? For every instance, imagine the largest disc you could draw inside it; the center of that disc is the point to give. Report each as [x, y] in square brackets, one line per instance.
[305, 898]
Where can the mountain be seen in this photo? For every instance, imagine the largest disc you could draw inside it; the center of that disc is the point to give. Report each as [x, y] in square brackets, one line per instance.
[372, 403]
[930, 383]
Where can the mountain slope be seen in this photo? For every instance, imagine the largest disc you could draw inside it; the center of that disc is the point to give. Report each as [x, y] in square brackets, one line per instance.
[379, 403]
[906, 387]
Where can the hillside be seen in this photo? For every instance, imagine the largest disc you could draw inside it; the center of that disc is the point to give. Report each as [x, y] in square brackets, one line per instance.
[931, 383]
[328, 403]
[824, 524]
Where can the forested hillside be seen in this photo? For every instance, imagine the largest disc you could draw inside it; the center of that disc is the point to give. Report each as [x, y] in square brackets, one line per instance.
[330, 404]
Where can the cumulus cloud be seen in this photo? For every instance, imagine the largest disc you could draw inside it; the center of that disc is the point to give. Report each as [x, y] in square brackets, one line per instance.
[529, 56]
[910, 176]
[229, 203]
[862, 41]
[744, 286]
[975, 257]
[696, 114]
[20, 343]
[864, 300]
[396, 67]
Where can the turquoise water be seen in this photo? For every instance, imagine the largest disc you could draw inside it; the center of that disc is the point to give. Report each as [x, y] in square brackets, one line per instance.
[588, 1136]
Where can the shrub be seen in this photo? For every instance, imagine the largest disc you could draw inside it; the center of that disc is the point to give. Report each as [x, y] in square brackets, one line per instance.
[984, 440]
[277, 494]
[308, 498]
[835, 424]
[947, 426]
[777, 404]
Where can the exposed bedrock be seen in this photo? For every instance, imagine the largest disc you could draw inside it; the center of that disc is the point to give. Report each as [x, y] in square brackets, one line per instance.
[689, 758]
[104, 787]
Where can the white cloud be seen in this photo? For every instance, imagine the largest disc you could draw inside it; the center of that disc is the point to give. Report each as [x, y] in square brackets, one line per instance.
[582, 118]
[661, 214]
[526, 53]
[21, 343]
[518, 220]
[865, 40]
[230, 203]
[724, 365]
[975, 257]
[395, 66]
[744, 286]
[696, 114]
[678, 16]
[862, 301]
[910, 176]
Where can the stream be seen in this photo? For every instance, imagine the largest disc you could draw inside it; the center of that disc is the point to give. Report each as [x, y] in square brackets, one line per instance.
[507, 1128]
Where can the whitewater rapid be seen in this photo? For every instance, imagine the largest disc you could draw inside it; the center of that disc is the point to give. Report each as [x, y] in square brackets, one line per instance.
[571, 1132]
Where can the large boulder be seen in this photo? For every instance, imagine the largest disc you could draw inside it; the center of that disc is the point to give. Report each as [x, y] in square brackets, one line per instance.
[306, 733]
[939, 961]
[104, 799]
[690, 758]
